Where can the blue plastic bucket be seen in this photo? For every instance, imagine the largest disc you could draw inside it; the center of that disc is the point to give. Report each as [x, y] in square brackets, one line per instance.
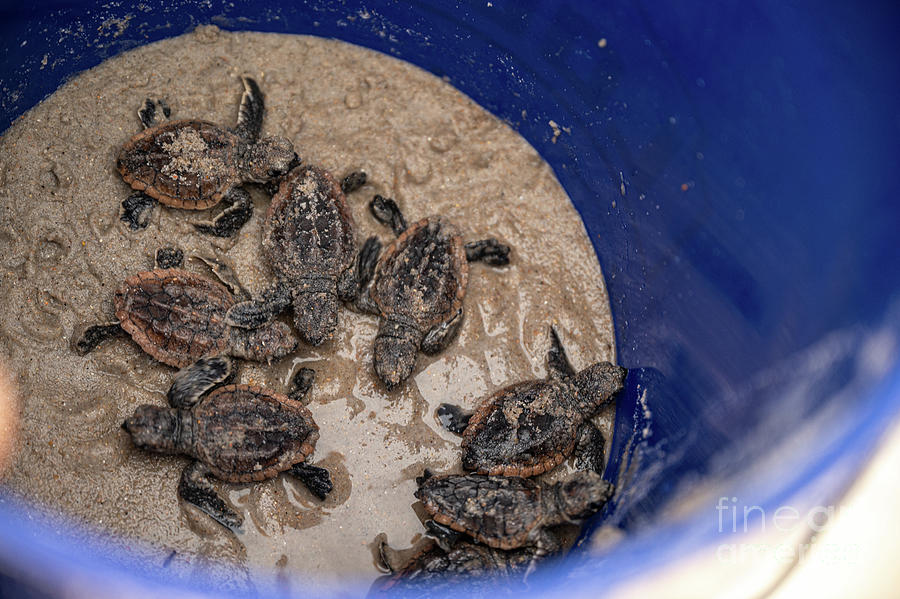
[736, 168]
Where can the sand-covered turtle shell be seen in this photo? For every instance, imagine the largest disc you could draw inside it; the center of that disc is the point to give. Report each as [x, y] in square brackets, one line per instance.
[423, 274]
[186, 163]
[500, 511]
[309, 230]
[246, 433]
[174, 315]
[431, 571]
[522, 430]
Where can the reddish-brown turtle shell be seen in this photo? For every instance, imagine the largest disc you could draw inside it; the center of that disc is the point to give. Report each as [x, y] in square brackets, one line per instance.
[186, 163]
[422, 276]
[522, 430]
[309, 229]
[174, 315]
[498, 511]
[246, 433]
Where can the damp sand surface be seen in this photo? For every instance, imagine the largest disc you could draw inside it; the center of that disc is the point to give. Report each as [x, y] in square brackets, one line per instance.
[63, 252]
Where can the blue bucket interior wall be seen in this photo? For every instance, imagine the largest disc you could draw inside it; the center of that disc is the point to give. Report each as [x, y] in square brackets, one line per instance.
[736, 170]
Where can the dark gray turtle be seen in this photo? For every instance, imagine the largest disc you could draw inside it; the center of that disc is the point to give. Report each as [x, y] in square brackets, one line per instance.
[418, 288]
[530, 427]
[195, 164]
[508, 512]
[178, 317]
[428, 570]
[236, 433]
[310, 244]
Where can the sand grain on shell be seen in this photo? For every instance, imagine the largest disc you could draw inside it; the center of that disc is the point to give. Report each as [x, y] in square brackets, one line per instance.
[189, 155]
[63, 251]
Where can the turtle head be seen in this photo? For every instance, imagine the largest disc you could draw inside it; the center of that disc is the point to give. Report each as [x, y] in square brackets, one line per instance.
[270, 158]
[395, 352]
[153, 428]
[581, 495]
[269, 342]
[598, 383]
[315, 316]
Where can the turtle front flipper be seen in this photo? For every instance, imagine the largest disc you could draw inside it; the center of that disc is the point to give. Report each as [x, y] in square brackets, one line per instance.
[250, 114]
[195, 488]
[301, 383]
[224, 273]
[440, 335]
[149, 115]
[137, 209]
[197, 379]
[95, 335]
[316, 479]
[386, 211]
[235, 216]
[589, 452]
[490, 251]
[445, 536]
[255, 313]
[546, 543]
[557, 361]
[453, 418]
[392, 559]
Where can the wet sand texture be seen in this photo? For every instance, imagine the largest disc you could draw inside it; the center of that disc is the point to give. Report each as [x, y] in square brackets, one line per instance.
[63, 251]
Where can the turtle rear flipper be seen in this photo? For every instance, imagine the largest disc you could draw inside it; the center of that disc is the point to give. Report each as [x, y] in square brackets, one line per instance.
[235, 216]
[316, 479]
[250, 114]
[193, 382]
[95, 335]
[137, 209]
[195, 488]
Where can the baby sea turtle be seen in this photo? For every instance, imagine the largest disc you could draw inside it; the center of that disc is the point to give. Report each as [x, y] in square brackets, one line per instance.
[530, 427]
[310, 244]
[178, 317]
[428, 570]
[236, 433]
[194, 164]
[508, 512]
[418, 288]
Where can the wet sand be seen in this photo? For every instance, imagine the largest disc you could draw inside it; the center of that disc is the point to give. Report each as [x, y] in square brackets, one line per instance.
[63, 251]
